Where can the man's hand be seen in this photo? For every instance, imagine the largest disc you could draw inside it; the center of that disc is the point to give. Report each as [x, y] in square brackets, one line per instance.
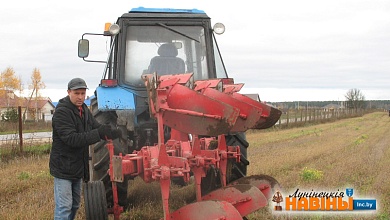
[104, 132]
[116, 133]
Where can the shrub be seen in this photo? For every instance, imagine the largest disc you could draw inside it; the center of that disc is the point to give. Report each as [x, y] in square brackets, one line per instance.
[311, 174]
[24, 176]
[11, 115]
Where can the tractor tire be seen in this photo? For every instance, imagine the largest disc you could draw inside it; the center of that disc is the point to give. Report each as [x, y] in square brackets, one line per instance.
[95, 202]
[235, 170]
[101, 157]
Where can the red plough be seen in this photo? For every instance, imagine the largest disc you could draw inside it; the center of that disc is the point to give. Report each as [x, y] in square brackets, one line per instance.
[197, 144]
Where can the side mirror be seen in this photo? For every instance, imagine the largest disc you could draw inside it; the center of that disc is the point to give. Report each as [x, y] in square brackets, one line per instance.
[83, 48]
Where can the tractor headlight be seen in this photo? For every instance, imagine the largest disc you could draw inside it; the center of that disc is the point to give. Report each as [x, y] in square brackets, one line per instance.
[219, 28]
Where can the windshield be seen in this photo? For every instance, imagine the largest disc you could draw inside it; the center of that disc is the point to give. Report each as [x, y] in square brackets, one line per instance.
[219, 65]
[164, 50]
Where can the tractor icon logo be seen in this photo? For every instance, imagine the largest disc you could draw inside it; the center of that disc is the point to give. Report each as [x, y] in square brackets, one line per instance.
[278, 198]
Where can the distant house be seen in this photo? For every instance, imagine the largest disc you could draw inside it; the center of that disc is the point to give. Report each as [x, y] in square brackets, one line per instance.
[42, 108]
[333, 106]
[253, 96]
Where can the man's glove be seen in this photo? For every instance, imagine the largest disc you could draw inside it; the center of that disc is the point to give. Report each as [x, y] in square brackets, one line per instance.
[104, 132]
[116, 133]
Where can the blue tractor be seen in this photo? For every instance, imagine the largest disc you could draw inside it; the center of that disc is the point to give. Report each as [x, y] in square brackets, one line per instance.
[155, 43]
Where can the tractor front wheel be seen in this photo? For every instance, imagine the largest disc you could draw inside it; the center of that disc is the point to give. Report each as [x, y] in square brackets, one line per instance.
[101, 157]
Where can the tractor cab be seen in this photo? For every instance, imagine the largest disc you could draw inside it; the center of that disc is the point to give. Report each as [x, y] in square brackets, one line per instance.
[160, 41]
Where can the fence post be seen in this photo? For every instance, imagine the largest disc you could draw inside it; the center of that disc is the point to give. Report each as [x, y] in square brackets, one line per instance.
[288, 111]
[295, 115]
[305, 115]
[301, 115]
[20, 129]
[315, 115]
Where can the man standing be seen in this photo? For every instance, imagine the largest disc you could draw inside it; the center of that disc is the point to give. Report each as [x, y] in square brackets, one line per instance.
[74, 129]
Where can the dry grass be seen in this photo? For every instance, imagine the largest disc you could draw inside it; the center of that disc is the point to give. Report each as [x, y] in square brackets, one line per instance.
[348, 153]
[26, 191]
[28, 126]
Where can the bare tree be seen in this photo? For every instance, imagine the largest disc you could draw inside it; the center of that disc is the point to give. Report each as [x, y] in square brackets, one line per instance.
[355, 99]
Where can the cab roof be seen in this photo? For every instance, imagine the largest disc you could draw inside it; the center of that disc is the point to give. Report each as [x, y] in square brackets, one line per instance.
[142, 12]
[166, 10]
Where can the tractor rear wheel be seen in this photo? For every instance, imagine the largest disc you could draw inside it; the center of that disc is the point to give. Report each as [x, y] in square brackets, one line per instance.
[235, 170]
[101, 157]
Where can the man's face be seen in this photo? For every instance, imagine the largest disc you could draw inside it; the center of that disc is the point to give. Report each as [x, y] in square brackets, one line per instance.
[77, 96]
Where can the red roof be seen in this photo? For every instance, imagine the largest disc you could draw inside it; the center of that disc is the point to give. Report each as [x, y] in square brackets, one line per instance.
[9, 100]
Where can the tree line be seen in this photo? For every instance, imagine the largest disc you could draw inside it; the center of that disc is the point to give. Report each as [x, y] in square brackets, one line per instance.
[354, 99]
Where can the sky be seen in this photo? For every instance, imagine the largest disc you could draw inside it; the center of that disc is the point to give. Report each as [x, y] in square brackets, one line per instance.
[284, 50]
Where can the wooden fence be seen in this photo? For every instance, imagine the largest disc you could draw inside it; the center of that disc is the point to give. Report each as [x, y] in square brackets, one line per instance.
[11, 142]
[297, 117]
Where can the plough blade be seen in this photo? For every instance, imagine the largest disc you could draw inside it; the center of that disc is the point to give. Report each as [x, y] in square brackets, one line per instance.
[207, 210]
[249, 114]
[269, 116]
[266, 184]
[210, 110]
[198, 114]
[271, 120]
[244, 197]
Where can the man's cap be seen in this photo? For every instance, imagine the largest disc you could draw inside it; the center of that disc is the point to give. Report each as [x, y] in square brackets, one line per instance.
[77, 83]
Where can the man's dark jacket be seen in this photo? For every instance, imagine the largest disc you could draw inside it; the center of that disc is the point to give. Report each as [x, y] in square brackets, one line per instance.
[71, 137]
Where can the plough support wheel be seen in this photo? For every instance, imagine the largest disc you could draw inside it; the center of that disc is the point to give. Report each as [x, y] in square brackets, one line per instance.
[95, 201]
[244, 197]
[207, 210]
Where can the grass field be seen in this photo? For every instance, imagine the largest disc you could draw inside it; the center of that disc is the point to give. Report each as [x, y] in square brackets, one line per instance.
[350, 153]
